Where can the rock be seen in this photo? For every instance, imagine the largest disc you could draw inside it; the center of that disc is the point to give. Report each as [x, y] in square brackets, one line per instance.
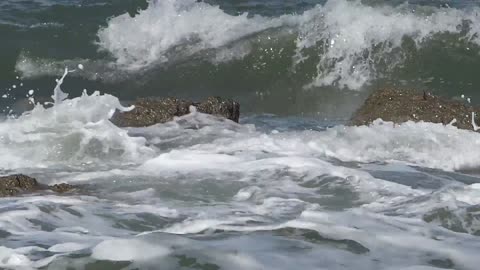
[399, 106]
[150, 111]
[220, 107]
[14, 184]
[62, 188]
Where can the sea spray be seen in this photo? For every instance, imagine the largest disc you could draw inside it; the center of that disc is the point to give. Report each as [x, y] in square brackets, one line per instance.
[72, 132]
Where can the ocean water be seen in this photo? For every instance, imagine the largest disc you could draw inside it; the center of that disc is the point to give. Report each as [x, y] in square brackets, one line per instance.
[289, 187]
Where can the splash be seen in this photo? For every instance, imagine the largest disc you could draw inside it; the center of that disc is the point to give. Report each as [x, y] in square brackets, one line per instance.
[175, 29]
[73, 132]
[58, 94]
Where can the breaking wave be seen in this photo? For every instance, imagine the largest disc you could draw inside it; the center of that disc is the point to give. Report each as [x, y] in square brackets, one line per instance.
[344, 43]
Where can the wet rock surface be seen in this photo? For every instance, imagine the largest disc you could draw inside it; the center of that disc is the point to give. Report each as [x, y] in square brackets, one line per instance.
[62, 188]
[17, 184]
[398, 106]
[150, 111]
[14, 184]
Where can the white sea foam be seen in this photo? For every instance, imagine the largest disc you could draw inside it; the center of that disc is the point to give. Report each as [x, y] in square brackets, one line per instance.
[127, 250]
[73, 132]
[212, 191]
[78, 130]
[422, 144]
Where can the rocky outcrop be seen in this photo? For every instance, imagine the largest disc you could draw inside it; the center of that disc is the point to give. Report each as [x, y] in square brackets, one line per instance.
[399, 106]
[16, 184]
[150, 111]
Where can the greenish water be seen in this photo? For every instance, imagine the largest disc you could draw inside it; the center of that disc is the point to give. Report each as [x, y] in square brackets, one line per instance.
[262, 70]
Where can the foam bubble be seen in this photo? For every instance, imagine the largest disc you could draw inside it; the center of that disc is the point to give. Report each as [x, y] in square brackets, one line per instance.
[127, 250]
[246, 193]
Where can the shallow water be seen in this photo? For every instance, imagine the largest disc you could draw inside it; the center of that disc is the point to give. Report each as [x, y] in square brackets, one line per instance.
[288, 187]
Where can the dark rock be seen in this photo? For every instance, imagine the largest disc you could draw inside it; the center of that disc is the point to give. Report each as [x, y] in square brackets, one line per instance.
[221, 107]
[62, 188]
[14, 184]
[150, 111]
[399, 106]
[17, 184]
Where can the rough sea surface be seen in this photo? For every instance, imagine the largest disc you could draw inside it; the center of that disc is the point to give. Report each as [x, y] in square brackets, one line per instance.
[289, 187]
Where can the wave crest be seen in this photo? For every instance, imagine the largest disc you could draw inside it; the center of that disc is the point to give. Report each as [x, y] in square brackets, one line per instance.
[348, 43]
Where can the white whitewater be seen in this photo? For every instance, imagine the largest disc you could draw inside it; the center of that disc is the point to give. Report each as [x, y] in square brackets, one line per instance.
[202, 192]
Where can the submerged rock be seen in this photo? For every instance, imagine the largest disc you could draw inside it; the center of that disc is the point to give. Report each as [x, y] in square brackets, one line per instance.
[150, 111]
[16, 184]
[399, 106]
